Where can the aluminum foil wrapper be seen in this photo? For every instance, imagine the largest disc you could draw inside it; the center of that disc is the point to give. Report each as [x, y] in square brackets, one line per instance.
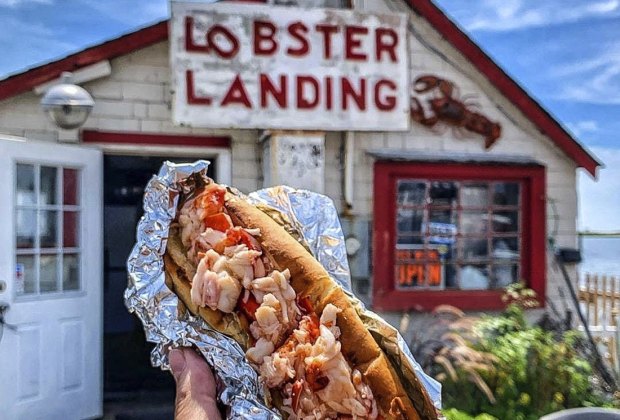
[166, 326]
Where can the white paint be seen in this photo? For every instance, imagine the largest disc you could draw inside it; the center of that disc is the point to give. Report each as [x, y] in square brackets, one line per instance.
[51, 366]
[213, 75]
[83, 75]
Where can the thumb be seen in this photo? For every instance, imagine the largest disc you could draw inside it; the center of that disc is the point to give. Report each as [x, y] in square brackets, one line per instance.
[178, 364]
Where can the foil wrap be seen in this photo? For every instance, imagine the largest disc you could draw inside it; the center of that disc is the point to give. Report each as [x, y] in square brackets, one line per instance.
[166, 326]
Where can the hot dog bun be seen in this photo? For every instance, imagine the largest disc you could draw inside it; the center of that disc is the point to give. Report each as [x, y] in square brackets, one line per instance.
[310, 279]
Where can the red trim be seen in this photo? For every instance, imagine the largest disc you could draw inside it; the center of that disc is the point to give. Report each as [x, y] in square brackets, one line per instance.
[159, 32]
[90, 136]
[533, 257]
[508, 87]
[125, 44]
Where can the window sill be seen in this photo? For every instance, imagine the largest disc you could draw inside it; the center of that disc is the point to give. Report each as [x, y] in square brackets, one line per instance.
[427, 300]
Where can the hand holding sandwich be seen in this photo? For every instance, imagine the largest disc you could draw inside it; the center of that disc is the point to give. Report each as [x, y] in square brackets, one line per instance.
[196, 391]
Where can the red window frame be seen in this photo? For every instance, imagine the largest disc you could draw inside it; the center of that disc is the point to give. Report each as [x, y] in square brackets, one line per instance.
[533, 260]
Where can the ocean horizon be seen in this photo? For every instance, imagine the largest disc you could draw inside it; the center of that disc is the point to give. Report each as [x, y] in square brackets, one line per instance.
[600, 255]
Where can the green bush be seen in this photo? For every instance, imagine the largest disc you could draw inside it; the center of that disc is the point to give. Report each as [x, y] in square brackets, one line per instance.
[454, 414]
[502, 366]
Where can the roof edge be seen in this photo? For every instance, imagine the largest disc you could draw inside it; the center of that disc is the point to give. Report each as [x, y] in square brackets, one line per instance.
[535, 112]
[28, 79]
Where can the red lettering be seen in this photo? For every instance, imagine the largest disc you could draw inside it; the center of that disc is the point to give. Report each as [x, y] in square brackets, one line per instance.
[298, 31]
[236, 94]
[302, 101]
[348, 92]
[327, 31]
[212, 41]
[328, 93]
[352, 42]
[385, 102]
[383, 45]
[192, 99]
[189, 38]
[267, 86]
[264, 33]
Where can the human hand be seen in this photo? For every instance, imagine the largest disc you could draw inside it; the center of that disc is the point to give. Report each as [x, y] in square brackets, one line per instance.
[195, 393]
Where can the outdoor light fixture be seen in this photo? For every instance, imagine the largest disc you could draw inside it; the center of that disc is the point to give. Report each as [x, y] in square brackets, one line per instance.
[66, 104]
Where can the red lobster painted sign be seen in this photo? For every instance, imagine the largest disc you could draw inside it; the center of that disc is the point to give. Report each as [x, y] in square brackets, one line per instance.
[446, 108]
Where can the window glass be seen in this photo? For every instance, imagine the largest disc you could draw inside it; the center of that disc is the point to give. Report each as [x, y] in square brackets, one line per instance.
[48, 185]
[474, 223]
[505, 221]
[47, 226]
[457, 234]
[506, 194]
[70, 274]
[26, 281]
[24, 188]
[475, 195]
[443, 193]
[25, 228]
[48, 281]
[69, 229]
[411, 193]
[409, 221]
[70, 186]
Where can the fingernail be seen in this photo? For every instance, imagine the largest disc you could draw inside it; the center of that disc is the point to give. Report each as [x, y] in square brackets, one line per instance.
[177, 361]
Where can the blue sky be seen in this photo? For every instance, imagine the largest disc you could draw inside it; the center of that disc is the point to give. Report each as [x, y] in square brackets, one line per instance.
[565, 53]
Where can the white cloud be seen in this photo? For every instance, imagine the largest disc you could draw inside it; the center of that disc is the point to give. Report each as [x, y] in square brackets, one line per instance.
[16, 3]
[582, 127]
[599, 201]
[507, 15]
[147, 10]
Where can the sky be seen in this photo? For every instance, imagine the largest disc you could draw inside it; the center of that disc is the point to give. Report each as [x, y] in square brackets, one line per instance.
[565, 53]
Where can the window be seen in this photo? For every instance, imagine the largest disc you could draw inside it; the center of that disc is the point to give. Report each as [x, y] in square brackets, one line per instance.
[456, 234]
[47, 221]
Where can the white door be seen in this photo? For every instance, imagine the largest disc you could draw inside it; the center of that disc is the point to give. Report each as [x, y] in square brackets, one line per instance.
[50, 280]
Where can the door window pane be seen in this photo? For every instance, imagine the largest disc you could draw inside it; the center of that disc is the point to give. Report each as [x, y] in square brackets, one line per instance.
[25, 227]
[24, 188]
[69, 229]
[48, 228]
[48, 185]
[70, 272]
[25, 281]
[48, 281]
[70, 186]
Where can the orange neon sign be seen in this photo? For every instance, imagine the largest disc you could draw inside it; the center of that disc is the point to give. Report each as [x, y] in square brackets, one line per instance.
[411, 271]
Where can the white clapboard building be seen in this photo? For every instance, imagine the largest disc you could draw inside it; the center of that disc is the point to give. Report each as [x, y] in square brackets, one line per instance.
[451, 181]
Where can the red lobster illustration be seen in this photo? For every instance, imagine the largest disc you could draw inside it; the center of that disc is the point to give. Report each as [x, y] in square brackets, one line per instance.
[448, 109]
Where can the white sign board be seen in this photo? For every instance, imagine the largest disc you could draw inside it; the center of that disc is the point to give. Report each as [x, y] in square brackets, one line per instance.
[255, 66]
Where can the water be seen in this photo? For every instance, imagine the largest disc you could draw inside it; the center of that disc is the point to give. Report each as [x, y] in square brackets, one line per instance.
[601, 255]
